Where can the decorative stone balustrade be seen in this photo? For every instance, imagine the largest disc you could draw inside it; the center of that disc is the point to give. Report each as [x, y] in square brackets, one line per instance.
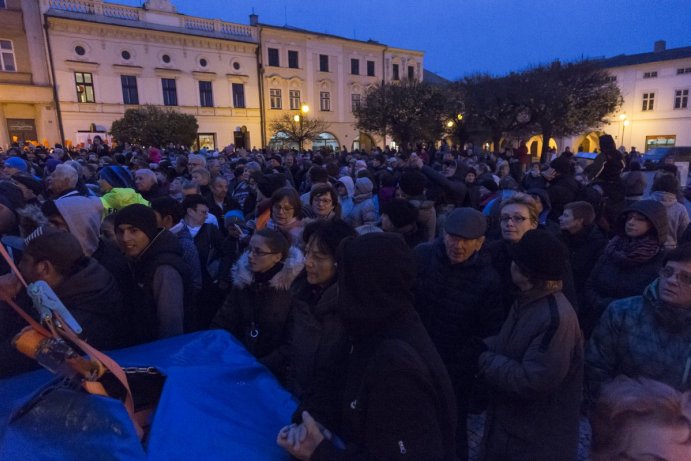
[112, 10]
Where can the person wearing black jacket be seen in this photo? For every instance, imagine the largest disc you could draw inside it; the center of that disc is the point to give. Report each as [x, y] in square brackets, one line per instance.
[398, 399]
[458, 296]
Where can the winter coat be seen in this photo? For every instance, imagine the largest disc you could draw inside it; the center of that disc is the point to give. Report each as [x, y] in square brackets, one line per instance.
[446, 190]
[318, 350]
[456, 302]
[677, 217]
[347, 201]
[397, 400]
[534, 369]
[363, 210]
[585, 248]
[640, 336]
[613, 279]
[257, 314]
[92, 297]
[161, 289]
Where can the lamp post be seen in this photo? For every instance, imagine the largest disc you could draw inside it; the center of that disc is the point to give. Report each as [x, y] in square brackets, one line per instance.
[624, 124]
[298, 118]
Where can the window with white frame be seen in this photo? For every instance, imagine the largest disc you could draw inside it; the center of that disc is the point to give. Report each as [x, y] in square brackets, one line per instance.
[84, 82]
[648, 102]
[681, 99]
[684, 70]
[650, 74]
[355, 101]
[275, 96]
[325, 101]
[294, 99]
[7, 63]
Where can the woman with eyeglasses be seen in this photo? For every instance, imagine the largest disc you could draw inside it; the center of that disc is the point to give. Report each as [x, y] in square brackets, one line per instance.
[318, 340]
[519, 214]
[324, 202]
[286, 214]
[630, 261]
[258, 306]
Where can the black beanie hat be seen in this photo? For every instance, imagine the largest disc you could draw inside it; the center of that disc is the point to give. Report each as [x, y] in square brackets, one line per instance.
[11, 196]
[140, 216]
[400, 212]
[562, 165]
[539, 254]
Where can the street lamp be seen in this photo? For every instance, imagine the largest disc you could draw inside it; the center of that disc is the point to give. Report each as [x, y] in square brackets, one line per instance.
[624, 123]
[298, 118]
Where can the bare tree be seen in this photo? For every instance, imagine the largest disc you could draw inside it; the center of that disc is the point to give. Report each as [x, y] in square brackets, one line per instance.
[299, 128]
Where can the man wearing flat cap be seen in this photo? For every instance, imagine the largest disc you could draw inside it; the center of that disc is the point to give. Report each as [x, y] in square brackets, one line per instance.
[457, 294]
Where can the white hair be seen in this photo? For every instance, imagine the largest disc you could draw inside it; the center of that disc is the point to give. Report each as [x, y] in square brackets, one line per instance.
[69, 173]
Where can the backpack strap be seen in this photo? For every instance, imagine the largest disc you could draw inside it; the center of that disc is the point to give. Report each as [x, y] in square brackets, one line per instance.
[553, 323]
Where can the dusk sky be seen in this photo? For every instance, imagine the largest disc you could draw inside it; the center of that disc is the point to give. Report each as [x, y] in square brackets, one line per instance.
[460, 37]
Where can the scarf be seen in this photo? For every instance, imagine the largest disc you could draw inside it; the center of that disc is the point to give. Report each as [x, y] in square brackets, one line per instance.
[633, 250]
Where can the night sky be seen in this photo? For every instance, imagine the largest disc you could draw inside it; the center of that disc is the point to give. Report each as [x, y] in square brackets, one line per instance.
[461, 37]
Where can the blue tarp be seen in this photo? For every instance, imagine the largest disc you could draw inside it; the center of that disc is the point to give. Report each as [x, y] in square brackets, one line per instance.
[217, 403]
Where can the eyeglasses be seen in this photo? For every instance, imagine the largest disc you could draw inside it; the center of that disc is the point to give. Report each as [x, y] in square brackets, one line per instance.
[322, 201]
[257, 252]
[286, 209]
[683, 277]
[515, 219]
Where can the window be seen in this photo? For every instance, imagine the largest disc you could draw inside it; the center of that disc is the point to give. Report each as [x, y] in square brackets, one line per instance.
[165, 58]
[2, 4]
[411, 73]
[238, 95]
[681, 99]
[683, 70]
[355, 101]
[206, 94]
[79, 50]
[293, 60]
[125, 55]
[294, 99]
[323, 63]
[648, 101]
[170, 92]
[611, 79]
[650, 74]
[355, 66]
[395, 72]
[85, 87]
[129, 89]
[273, 57]
[370, 68]
[236, 65]
[7, 56]
[325, 101]
[275, 95]
[203, 62]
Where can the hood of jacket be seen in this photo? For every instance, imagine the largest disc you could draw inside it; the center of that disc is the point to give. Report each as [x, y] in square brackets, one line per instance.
[292, 266]
[666, 198]
[83, 218]
[363, 189]
[376, 273]
[651, 209]
[348, 183]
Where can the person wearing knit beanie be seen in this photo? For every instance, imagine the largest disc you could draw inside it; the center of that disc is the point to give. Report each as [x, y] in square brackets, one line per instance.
[11, 199]
[115, 177]
[135, 228]
[540, 255]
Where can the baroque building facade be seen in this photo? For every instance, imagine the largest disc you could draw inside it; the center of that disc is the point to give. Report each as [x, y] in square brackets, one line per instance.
[99, 59]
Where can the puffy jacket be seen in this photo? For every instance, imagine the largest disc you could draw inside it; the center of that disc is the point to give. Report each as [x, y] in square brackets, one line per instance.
[677, 217]
[640, 336]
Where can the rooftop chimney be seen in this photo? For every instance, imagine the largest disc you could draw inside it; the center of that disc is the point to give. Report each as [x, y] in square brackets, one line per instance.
[254, 19]
[660, 45]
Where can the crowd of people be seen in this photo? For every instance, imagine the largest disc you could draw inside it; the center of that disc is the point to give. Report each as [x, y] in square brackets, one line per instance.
[393, 293]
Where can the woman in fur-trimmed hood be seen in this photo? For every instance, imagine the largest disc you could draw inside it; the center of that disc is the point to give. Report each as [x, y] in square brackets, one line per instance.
[259, 304]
